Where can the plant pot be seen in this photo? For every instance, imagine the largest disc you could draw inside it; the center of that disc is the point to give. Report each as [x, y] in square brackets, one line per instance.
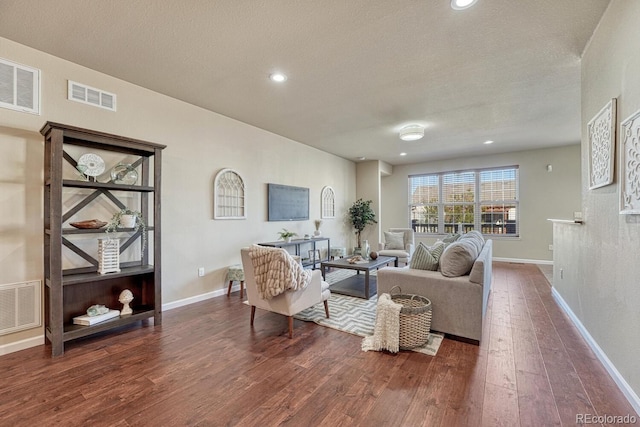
[288, 240]
[127, 221]
[317, 233]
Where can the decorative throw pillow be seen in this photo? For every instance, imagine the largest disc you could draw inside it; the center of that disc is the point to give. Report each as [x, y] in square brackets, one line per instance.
[426, 258]
[474, 237]
[458, 258]
[393, 240]
[450, 238]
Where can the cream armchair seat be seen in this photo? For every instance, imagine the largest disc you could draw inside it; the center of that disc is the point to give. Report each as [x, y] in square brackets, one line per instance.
[288, 303]
[403, 249]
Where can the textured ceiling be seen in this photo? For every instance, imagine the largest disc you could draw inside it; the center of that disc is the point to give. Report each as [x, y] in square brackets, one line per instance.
[358, 70]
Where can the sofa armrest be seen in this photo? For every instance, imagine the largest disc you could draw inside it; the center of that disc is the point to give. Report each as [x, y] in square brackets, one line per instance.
[410, 247]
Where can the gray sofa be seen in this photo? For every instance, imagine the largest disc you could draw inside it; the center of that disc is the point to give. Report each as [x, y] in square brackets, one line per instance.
[459, 304]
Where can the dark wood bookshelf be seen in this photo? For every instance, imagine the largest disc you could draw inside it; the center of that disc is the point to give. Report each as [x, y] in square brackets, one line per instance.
[69, 292]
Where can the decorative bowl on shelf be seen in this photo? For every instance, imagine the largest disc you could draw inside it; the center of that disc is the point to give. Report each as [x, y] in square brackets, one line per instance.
[124, 174]
[88, 224]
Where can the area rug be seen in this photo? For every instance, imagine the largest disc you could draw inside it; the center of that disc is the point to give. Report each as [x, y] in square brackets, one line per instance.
[356, 316]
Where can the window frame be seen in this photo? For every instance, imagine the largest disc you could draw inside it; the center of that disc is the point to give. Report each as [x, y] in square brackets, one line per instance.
[478, 203]
[235, 202]
[328, 203]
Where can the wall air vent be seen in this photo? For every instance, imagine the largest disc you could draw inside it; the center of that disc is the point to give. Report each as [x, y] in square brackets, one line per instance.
[19, 306]
[92, 96]
[19, 87]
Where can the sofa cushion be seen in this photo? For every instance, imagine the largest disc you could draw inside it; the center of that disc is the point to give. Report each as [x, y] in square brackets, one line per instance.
[393, 240]
[458, 258]
[426, 258]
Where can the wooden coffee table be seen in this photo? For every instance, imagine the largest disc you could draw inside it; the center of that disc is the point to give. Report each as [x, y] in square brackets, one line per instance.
[358, 285]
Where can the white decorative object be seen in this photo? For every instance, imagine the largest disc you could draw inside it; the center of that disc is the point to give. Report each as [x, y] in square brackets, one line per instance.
[601, 131]
[87, 320]
[630, 165]
[127, 221]
[108, 256]
[229, 196]
[328, 202]
[125, 298]
[93, 164]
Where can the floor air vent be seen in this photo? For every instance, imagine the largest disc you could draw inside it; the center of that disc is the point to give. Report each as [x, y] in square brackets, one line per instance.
[92, 96]
[19, 306]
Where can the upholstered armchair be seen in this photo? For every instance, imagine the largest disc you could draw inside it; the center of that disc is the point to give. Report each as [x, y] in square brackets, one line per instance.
[289, 302]
[398, 242]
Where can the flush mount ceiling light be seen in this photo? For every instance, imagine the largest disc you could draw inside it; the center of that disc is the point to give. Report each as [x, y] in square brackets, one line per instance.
[278, 77]
[488, 142]
[462, 4]
[411, 132]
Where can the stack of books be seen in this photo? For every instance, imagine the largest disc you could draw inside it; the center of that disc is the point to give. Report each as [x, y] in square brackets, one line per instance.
[87, 320]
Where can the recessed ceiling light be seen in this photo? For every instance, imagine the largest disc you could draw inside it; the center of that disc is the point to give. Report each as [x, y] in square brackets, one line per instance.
[403, 154]
[462, 4]
[362, 158]
[411, 132]
[278, 77]
[488, 142]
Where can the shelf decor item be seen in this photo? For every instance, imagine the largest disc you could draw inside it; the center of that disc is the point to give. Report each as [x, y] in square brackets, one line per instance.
[123, 173]
[92, 164]
[125, 299]
[108, 256]
[89, 224]
[602, 137]
[286, 235]
[318, 224]
[128, 218]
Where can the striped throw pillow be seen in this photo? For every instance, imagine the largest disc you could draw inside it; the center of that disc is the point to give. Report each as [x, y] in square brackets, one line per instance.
[426, 258]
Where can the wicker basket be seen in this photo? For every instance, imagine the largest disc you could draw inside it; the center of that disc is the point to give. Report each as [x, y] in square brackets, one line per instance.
[415, 319]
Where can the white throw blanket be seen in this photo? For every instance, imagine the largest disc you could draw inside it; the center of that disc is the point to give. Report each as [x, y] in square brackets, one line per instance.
[386, 334]
[276, 271]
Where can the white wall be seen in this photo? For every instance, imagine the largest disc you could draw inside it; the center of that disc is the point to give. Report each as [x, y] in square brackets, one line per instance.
[600, 265]
[199, 144]
[543, 195]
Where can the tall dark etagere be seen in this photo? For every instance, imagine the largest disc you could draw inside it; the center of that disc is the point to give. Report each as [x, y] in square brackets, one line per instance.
[68, 292]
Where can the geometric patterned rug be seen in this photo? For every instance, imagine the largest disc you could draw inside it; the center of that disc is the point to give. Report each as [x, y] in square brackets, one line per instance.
[356, 316]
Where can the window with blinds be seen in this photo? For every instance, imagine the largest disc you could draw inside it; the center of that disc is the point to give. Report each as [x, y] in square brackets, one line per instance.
[483, 199]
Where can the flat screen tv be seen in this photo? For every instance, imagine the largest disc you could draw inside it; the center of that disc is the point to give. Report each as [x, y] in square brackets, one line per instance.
[288, 203]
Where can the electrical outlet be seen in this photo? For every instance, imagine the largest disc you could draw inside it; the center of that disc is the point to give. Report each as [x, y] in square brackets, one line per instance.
[550, 247]
[201, 271]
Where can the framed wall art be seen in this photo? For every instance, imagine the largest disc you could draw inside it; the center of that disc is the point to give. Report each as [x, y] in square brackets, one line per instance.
[601, 131]
[630, 165]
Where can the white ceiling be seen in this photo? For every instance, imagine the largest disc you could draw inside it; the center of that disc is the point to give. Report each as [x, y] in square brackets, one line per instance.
[505, 70]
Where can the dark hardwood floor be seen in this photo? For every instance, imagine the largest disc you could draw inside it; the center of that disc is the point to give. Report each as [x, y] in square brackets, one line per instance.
[206, 367]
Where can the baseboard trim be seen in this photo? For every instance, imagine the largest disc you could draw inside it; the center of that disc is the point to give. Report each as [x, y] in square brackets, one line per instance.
[197, 298]
[622, 384]
[21, 345]
[524, 260]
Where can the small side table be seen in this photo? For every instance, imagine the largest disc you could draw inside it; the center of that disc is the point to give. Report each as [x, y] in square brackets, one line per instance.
[236, 272]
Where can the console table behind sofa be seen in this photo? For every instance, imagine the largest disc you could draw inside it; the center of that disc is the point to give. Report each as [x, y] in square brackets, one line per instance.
[315, 243]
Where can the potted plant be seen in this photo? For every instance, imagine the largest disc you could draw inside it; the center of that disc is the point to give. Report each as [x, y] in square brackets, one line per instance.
[286, 235]
[361, 214]
[128, 218]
